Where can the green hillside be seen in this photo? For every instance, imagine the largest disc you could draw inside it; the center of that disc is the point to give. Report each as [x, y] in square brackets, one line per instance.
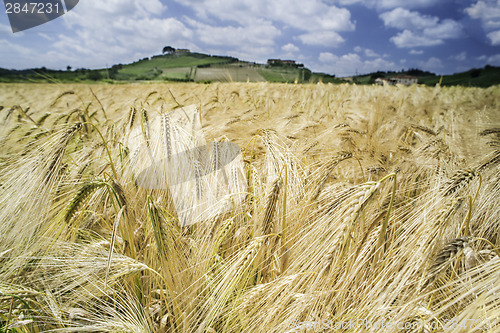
[176, 67]
[478, 77]
[484, 77]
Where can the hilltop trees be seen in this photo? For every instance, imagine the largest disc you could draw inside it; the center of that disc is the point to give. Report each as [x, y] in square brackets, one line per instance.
[168, 49]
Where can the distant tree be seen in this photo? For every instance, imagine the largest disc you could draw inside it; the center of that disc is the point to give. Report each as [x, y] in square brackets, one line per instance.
[113, 71]
[306, 74]
[375, 76]
[168, 49]
[68, 68]
[94, 75]
[475, 72]
[419, 72]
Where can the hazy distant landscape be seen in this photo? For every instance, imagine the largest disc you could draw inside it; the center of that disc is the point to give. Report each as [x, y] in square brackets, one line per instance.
[203, 68]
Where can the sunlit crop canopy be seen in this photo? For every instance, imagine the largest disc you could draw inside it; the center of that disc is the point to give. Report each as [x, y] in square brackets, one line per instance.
[169, 151]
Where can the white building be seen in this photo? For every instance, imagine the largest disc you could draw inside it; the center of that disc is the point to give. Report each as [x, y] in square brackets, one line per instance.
[406, 80]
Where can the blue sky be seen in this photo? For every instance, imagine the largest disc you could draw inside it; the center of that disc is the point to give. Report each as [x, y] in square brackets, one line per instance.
[340, 37]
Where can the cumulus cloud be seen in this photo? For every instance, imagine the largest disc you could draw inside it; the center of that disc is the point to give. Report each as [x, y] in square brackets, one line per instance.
[487, 11]
[326, 57]
[325, 38]
[26, 55]
[409, 39]
[351, 63]
[5, 29]
[258, 33]
[431, 64]
[368, 52]
[462, 56]
[316, 21]
[388, 4]
[404, 19]
[494, 36]
[416, 52]
[489, 60]
[125, 29]
[419, 30]
[258, 54]
[304, 15]
[7, 47]
[494, 60]
[290, 48]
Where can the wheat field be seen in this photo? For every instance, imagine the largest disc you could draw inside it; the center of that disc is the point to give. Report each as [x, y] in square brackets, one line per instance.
[363, 209]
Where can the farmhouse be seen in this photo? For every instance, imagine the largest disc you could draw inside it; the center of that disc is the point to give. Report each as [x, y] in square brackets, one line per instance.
[280, 62]
[179, 51]
[406, 80]
[382, 81]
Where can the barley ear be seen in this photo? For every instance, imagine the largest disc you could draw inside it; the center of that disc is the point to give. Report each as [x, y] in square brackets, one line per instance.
[86, 190]
[272, 199]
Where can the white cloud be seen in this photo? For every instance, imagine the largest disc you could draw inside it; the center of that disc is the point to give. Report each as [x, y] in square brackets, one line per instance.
[290, 48]
[317, 22]
[324, 38]
[118, 29]
[368, 52]
[487, 11]
[258, 54]
[419, 30]
[388, 4]
[305, 15]
[462, 56]
[409, 39]
[416, 52]
[350, 64]
[259, 33]
[494, 36]
[404, 19]
[494, 60]
[431, 64]
[371, 53]
[447, 29]
[490, 60]
[7, 48]
[327, 57]
[47, 37]
[26, 55]
[5, 29]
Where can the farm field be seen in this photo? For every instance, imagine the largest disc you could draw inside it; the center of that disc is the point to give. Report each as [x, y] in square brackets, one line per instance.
[355, 206]
[228, 74]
